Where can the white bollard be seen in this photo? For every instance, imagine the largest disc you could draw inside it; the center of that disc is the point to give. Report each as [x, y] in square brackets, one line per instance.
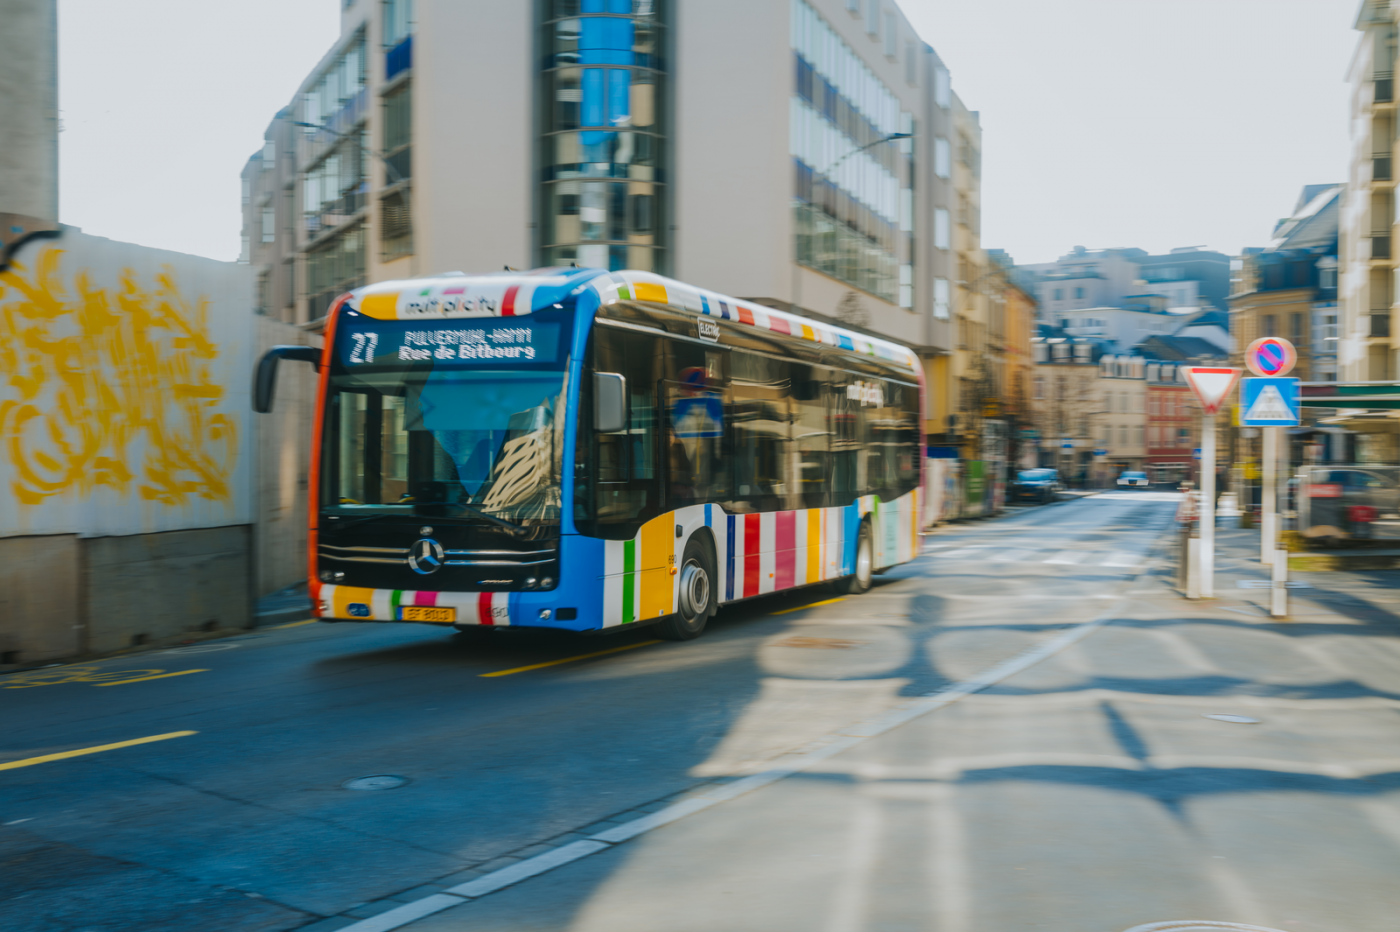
[1193, 568]
[1278, 602]
[1268, 534]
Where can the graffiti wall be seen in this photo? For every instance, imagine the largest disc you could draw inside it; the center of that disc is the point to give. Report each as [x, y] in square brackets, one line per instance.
[124, 379]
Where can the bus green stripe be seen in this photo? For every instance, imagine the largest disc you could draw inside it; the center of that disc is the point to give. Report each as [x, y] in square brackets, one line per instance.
[394, 598]
[629, 567]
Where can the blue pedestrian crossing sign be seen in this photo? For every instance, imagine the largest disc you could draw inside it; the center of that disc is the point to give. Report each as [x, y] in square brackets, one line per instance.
[1270, 402]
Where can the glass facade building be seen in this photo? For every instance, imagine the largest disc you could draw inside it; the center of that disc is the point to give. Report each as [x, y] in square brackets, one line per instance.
[852, 193]
[603, 132]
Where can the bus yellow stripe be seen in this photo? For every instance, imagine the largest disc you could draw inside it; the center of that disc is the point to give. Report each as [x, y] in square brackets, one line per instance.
[344, 595]
[657, 553]
[645, 291]
[381, 306]
[814, 544]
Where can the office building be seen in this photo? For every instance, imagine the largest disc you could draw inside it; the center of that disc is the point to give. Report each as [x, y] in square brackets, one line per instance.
[1366, 346]
[815, 159]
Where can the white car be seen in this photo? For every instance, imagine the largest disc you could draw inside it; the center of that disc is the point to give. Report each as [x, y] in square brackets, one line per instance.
[1131, 480]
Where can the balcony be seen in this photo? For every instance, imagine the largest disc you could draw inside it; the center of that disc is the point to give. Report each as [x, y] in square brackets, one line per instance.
[1380, 246]
[1385, 91]
[1380, 168]
[1380, 325]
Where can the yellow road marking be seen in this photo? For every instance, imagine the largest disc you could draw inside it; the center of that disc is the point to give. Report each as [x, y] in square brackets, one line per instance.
[142, 679]
[64, 755]
[296, 624]
[555, 663]
[809, 605]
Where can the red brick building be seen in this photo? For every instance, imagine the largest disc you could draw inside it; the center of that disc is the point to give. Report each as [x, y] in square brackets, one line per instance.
[1173, 426]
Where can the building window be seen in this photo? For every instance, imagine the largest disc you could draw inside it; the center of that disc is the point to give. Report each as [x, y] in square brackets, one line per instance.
[942, 229]
[942, 157]
[891, 36]
[247, 190]
[1059, 294]
[333, 268]
[603, 201]
[1078, 294]
[911, 64]
[398, 37]
[338, 99]
[941, 298]
[264, 287]
[269, 154]
[942, 87]
[872, 18]
[269, 225]
[395, 225]
[398, 135]
[333, 191]
[243, 247]
[1269, 325]
[853, 7]
[1039, 387]
[1295, 327]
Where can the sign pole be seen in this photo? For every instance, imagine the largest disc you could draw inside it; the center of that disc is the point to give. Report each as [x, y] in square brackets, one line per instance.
[1207, 566]
[1268, 503]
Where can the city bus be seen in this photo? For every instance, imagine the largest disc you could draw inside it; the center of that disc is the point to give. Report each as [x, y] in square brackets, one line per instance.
[589, 450]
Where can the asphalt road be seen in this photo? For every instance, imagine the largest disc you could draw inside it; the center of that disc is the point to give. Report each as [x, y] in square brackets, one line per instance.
[1085, 792]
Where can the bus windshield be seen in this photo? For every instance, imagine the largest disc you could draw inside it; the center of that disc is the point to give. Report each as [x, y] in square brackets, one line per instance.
[447, 419]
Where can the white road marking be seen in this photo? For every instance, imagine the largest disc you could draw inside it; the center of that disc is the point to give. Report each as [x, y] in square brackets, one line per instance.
[1067, 557]
[782, 768]
[1011, 556]
[1123, 559]
[962, 552]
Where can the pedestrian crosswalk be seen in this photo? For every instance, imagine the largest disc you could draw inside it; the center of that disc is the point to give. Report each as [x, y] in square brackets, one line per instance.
[1002, 553]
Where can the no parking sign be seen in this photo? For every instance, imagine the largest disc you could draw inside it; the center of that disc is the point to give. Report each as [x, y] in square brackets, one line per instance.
[1270, 356]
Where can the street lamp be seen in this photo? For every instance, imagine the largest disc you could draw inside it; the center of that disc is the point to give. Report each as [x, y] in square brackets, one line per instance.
[831, 168]
[393, 172]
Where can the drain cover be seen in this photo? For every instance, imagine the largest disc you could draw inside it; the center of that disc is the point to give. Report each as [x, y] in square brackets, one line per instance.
[1199, 925]
[1233, 719]
[380, 781]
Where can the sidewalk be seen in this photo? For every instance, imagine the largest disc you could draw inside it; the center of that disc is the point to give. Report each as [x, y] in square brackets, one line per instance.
[1330, 596]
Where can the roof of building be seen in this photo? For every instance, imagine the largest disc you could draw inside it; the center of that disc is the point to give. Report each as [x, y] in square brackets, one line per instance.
[1314, 222]
[1179, 349]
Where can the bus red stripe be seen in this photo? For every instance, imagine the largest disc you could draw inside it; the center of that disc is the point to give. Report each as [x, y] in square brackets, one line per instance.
[508, 303]
[751, 554]
[785, 541]
[483, 608]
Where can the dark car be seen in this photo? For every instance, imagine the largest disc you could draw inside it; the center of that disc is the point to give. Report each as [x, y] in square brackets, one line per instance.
[1037, 485]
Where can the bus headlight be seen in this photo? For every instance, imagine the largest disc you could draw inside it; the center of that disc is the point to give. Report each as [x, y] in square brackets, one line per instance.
[532, 583]
[545, 614]
[547, 582]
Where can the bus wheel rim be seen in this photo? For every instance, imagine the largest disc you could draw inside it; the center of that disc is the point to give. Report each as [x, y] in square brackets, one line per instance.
[695, 589]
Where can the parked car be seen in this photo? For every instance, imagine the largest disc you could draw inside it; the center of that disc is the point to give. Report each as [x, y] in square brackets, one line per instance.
[1133, 480]
[1037, 485]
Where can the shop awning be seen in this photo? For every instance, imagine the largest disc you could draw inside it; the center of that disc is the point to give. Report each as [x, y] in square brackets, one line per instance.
[1351, 395]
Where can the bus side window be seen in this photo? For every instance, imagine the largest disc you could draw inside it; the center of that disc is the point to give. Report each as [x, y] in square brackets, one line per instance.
[812, 435]
[847, 460]
[760, 437]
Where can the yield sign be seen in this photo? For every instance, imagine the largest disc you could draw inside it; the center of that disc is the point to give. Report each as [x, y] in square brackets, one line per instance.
[1211, 384]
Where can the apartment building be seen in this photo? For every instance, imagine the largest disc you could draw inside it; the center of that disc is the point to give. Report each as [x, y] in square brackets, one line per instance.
[1065, 401]
[1172, 426]
[1121, 419]
[1183, 281]
[1289, 288]
[1367, 349]
[816, 160]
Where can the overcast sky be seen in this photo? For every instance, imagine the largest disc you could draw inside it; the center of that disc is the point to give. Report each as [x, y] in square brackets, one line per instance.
[1149, 123]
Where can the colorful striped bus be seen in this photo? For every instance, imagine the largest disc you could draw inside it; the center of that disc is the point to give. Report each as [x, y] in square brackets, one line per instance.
[591, 450]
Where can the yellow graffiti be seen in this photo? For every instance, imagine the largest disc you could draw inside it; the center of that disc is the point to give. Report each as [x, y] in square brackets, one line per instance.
[114, 388]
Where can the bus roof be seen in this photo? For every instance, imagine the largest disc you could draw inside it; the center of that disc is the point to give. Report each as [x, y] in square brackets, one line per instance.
[507, 294]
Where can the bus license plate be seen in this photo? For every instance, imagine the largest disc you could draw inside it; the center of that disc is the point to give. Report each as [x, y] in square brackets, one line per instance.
[429, 613]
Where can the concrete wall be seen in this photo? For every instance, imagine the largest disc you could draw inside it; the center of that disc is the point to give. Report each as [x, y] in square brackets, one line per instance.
[283, 459]
[39, 598]
[29, 108]
[154, 587]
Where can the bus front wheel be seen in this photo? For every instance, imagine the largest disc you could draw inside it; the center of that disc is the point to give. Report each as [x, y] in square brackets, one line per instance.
[697, 595]
[859, 581]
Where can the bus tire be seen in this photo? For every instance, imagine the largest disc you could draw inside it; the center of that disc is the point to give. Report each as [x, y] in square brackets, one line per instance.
[697, 597]
[859, 581]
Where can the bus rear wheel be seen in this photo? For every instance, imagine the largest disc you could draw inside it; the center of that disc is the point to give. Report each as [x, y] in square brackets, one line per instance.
[696, 600]
[860, 580]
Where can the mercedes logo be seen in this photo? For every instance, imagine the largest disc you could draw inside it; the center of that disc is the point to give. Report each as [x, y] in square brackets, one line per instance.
[426, 556]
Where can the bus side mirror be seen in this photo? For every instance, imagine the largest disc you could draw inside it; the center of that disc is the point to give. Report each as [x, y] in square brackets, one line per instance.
[609, 402]
[265, 378]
